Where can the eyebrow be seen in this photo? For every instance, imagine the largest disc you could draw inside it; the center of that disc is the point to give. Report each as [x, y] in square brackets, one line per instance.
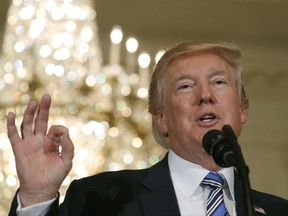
[218, 72]
[183, 76]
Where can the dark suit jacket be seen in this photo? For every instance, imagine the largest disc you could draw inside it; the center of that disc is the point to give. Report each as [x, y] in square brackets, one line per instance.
[148, 192]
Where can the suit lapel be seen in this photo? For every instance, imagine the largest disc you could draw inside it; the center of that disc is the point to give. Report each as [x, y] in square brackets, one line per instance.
[159, 199]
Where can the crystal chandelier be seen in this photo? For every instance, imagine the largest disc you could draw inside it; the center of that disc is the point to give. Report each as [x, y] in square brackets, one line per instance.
[52, 46]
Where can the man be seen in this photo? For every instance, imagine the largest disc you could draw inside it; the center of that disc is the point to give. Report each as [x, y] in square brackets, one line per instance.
[195, 87]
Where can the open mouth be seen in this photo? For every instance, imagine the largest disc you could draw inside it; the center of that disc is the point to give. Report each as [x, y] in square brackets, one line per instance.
[207, 118]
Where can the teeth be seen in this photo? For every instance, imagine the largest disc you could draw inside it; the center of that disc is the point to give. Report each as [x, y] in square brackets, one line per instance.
[207, 118]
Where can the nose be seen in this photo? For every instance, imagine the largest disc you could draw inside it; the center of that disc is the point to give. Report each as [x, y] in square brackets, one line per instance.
[205, 95]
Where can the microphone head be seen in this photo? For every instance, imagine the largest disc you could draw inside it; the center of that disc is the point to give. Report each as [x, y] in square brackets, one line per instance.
[216, 144]
[210, 139]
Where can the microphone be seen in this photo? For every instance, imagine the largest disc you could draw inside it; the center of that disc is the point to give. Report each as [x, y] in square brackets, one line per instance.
[217, 145]
[226, 152]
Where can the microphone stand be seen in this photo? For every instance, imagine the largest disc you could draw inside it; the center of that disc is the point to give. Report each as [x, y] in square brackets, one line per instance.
[241, 168]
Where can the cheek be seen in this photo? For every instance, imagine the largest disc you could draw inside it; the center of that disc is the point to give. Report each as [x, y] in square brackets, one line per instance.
[176, 110]
[237, 119]
[178, 102]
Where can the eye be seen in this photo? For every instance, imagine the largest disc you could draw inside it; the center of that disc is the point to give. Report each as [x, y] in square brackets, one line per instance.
[219, 82]
[185, 87]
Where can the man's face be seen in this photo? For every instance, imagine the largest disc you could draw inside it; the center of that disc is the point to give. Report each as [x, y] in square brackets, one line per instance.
[199, 94]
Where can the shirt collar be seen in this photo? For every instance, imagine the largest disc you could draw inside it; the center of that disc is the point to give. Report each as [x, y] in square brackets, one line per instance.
[188, 176]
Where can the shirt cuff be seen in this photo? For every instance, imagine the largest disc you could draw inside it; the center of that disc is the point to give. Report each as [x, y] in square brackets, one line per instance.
[39, 209]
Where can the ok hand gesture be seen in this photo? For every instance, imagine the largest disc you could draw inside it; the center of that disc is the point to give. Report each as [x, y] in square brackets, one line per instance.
[41, 167]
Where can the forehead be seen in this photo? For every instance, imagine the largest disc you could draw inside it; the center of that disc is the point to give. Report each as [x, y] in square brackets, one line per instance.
[204, 62]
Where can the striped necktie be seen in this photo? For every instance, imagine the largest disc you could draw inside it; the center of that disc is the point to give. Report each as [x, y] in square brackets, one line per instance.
[215, 202]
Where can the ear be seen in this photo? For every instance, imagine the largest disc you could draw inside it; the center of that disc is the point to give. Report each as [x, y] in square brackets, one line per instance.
[244, 114]
[159, 119]
[244, 105]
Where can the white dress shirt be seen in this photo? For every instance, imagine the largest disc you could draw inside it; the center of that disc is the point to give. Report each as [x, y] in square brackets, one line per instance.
[187, 177]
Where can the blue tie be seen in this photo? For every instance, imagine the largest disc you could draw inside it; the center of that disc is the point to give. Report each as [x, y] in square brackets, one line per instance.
[215, 201]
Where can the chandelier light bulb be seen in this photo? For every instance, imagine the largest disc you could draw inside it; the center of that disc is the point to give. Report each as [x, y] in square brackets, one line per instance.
[116, 35]
[144, 60]
[132, 45]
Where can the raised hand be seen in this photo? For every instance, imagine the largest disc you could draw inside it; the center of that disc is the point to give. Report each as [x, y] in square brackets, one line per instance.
[41, 167]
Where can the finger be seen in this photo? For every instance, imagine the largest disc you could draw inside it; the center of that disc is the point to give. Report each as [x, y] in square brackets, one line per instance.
[28, 117]
[60, 134]
[13, 134]
[41, 121]
[56, 132]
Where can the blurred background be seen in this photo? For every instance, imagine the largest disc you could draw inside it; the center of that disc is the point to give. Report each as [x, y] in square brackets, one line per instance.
[77, 52]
